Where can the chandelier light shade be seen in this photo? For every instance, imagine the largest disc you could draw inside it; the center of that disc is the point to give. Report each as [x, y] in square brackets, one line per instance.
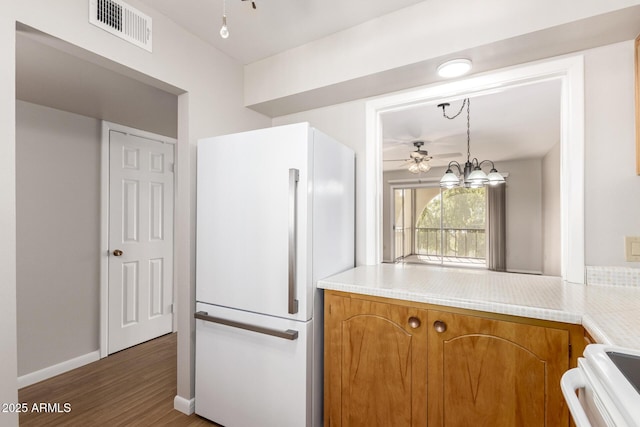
[471, 174]
[495, 177]
[450, 179]
[477, 177]
[419, 166]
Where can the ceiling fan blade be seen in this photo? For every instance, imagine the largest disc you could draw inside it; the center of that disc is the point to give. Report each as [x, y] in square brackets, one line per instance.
[397, 160]
[393, 143]
[446, 155]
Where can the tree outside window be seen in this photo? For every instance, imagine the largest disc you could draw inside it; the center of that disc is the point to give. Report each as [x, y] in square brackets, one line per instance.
[452, 224]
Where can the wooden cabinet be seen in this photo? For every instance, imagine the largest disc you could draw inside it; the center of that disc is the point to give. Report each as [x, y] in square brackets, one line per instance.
[495, 373]
[375, 364]
[398, 363]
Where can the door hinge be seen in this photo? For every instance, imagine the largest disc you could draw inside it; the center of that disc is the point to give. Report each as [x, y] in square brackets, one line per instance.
[172, 167]
[570, 351]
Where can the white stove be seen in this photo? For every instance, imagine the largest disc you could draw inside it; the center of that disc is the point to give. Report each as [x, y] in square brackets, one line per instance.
[604, 390]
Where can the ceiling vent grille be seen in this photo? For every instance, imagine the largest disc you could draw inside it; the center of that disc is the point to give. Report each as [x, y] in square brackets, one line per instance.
[122, 20]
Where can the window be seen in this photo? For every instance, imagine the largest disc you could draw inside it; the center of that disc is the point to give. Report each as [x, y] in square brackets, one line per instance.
[442, 226]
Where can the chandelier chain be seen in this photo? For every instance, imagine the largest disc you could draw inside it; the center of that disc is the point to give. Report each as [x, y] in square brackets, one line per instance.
[468, 101]
[458, 113]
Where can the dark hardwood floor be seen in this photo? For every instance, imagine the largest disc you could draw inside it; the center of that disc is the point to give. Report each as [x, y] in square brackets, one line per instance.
[134, 387]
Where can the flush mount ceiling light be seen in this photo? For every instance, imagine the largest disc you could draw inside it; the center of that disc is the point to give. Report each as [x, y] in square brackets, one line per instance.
[454, 68]
[224, 30]
[472, 176]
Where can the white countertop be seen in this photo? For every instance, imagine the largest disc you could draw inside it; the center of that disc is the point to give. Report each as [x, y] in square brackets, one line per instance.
[611, 314]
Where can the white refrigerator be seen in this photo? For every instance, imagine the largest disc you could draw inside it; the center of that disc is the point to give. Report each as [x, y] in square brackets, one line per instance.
[275, 213]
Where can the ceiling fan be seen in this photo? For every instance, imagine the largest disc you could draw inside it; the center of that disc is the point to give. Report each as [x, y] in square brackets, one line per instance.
[418, 160]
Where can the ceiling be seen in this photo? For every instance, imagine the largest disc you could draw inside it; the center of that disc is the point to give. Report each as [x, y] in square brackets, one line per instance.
[516, 123]
[275, 25]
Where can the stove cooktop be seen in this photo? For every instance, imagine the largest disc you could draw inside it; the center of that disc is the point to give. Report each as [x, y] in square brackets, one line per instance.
[629, 365]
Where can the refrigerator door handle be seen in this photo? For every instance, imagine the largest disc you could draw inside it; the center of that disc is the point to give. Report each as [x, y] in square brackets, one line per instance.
[289, 334]
[294, 176]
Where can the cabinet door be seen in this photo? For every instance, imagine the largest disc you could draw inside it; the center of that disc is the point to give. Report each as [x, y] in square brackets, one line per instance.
[495, 373]
[375, 362]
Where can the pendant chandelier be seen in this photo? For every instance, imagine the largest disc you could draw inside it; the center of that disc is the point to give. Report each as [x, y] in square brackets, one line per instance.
[471, 175]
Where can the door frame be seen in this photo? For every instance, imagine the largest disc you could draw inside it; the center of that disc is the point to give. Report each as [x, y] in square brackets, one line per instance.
[104, 223]
[400, 184]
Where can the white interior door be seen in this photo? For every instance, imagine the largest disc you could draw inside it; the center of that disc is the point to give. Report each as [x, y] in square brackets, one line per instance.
[140, 289]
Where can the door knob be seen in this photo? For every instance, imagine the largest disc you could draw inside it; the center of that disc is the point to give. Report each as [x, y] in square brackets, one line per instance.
[414, 322]
[439, 326]
[117, 252]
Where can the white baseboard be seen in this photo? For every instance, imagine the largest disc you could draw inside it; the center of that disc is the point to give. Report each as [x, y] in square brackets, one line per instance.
[536, 272]
[60, 368]
[183, 405]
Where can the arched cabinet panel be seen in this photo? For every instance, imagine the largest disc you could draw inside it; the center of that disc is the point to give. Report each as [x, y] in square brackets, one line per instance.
[377, 364]
[491, 372]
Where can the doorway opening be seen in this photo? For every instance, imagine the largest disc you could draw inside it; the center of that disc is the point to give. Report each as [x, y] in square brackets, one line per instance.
[58, 154]
[569, 72]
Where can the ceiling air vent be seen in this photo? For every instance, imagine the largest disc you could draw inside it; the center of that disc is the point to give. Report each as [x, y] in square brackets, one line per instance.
[126, 22]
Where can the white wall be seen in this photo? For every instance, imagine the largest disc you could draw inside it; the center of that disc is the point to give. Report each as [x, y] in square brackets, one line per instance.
[8, 353]
[551, 265]
[524, 215]
[612, 188]
[212, 105]
[58, 235]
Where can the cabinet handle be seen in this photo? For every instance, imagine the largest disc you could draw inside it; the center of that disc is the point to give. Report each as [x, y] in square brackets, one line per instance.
[414, 322]
[439, 326]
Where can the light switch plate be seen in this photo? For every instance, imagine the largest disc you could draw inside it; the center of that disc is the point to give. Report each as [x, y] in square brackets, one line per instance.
[632, 248]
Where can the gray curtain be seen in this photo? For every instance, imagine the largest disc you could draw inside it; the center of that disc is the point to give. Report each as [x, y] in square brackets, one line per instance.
[496, 228]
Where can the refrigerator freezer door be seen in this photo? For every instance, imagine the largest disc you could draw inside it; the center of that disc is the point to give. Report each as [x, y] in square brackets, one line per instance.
[246, 378]
[253, 199]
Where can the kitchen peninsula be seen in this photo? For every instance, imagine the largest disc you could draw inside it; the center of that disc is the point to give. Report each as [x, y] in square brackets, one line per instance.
[411, 343]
